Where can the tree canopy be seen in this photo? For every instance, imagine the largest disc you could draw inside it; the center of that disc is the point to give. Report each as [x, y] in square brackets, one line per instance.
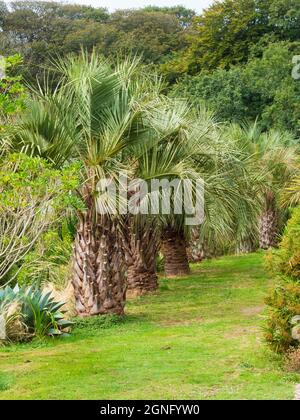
[235, 55]
[263, 88]
[40, 30]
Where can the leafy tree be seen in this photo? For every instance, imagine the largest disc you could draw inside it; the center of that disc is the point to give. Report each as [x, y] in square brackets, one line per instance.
[225, 92]
[285, 19]
[225, 34]
[38, 30]
[154, 34]
[183, 14]
[33, 195]
[270, 78]
[12, 91]
[222, 35]
[263, 88]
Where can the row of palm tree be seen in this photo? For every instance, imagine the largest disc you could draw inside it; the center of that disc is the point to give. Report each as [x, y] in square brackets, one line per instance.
[115, 118]
[272, 157]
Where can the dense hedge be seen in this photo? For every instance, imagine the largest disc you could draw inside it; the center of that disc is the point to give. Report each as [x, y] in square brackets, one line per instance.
[284, 300]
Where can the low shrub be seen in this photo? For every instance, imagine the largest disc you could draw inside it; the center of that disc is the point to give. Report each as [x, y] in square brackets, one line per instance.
[285, 261]
[95, 323]
[49, 261]
[284, 305]
[28, 313]
[284, 299]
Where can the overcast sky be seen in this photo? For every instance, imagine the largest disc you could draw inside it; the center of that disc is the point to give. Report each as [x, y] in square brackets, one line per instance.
[197, 5]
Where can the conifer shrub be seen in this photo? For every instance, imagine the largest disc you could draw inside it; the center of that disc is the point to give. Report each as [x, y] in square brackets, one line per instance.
[283, 320]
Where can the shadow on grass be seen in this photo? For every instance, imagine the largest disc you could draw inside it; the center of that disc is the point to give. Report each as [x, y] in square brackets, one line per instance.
[104, 322]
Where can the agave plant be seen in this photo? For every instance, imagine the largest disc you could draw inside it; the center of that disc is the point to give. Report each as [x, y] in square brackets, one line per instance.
[7, 295]
[29, 312]
[42, 314]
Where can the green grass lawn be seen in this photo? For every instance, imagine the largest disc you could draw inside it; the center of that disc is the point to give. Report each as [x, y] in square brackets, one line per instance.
[199, 338]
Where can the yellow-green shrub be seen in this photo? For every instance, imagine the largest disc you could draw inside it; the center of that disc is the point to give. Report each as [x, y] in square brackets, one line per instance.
[284, 299]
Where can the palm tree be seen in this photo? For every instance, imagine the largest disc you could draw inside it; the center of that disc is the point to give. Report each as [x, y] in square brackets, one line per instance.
[104, 116]
[175, 125]
[167, 160]
[226, 189]
[95, 115]
[273, 157]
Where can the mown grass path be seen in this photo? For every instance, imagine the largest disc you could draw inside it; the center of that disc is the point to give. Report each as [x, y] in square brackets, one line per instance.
[199, 338]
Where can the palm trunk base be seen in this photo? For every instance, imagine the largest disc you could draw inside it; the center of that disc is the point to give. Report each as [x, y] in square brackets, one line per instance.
[141, 282]
[98, 268]
[111, 269]
[174, 251]
[84, 268]
[142, 245]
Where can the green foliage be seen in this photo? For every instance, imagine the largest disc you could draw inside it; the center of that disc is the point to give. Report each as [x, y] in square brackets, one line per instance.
[263, 88]
[240, 52]
[25, 180]
[153, 33]
[284, 300]
[183, 14]
[225, 33]
[286, 260]
[12, 91]
[34, 196]
[270, 82]
[39, 312]
[225, 92]
[41, 30]
[284, 304]
[49, 261]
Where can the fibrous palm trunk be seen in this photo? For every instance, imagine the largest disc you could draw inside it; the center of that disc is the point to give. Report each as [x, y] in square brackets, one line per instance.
[174, 251]
[142, 277]
[199, 250]
[268, 223]
[85, 266]
[111, 268]
[98, 267]
[268, 229]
